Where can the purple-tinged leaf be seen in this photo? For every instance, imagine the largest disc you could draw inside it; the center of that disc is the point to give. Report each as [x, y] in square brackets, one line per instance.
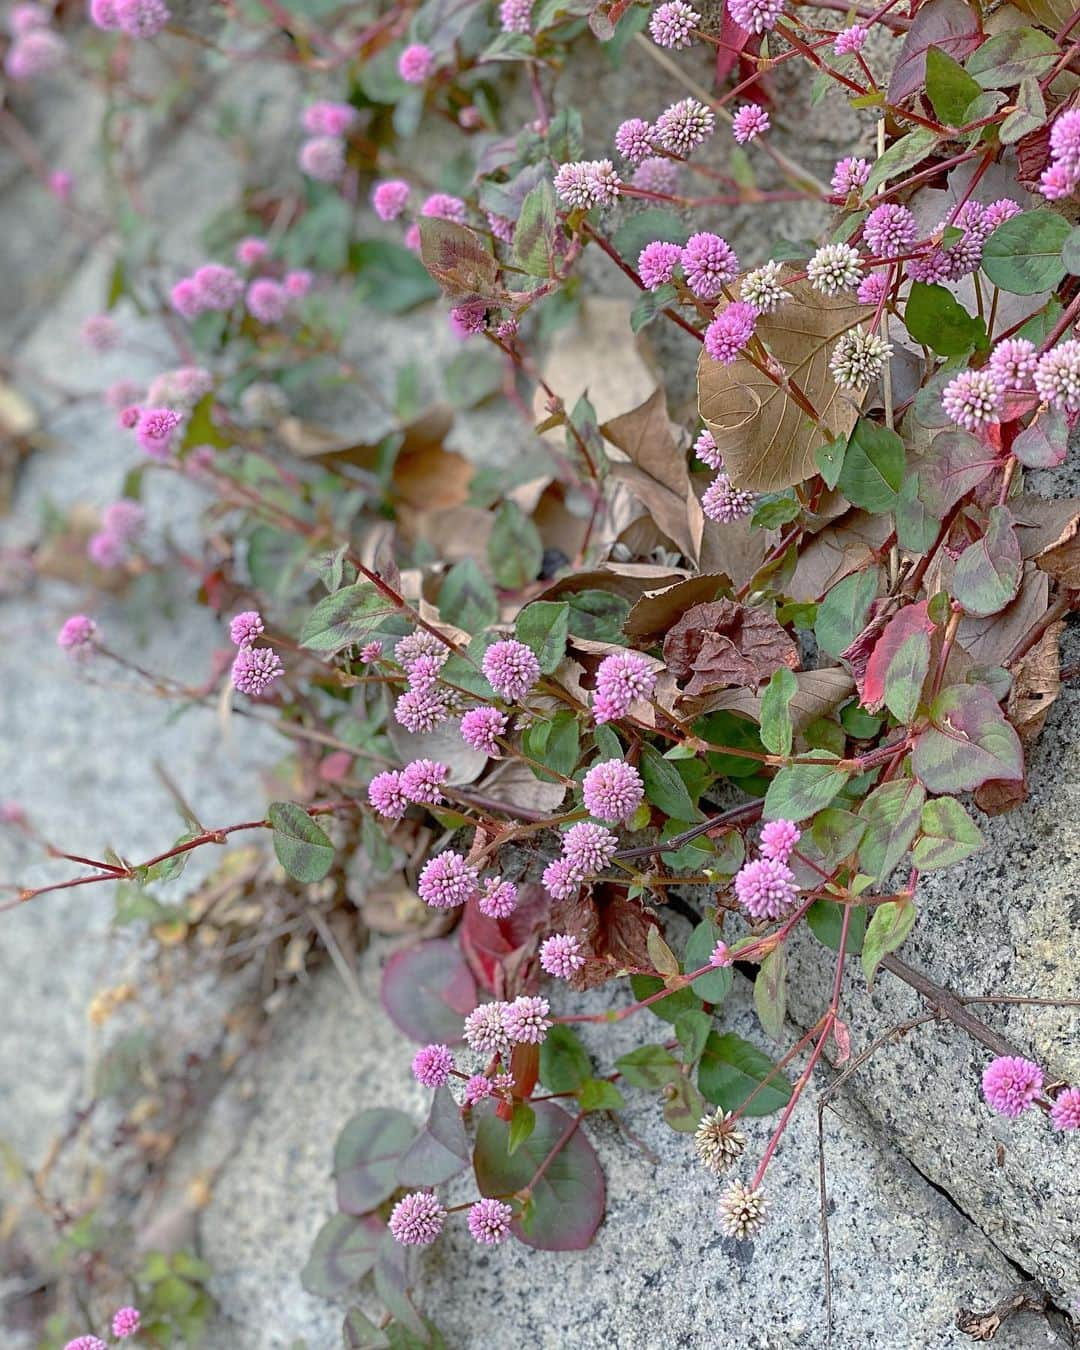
[955, 463]
[567, 1201]
[1045, 443]
[947, 835]
[343, 1253]
[950, 25]
[428, 990]
[392, 1284]
[460, 261]
[891, 813]
[987, 575]
[440, 1151]
[366, 1157]
[968, 742]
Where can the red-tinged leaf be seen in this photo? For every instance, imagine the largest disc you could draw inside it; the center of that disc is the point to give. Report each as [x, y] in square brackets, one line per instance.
[459, 261]
[497, 949]
[568, 1200]
[428, 990]
[733, 43]
[987, 575]
[955, 463]
[950, 25]
[968, 742]
[898, 663]
[1045, 443]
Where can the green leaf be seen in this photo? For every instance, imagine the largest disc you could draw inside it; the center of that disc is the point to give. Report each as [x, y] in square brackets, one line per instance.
[891, 813]
[829, 459]
[515, 549]
[536, 232]
[664, 786]
[967, 743]
[645, 226]
[522, 1124]
[683, 1106]
[947, 835]
[775, 510]
[916, 526]
[346, 617]
[692, 1031]
[891, 924]
[389, 277]
[366, 1158]
[567, 1201]
[987, 574]
[544, 627]
[649, 1066]
[466, 597]
[564, 1061]
[1028, 115]
[801, 790]
[732, 1068]
[556, 744]
[841, 616]
[597, 1094]
[649, 304]
[597, 615]
[770, 992]
[1005, 60]
[1023, 255]
[934, 316]
[1070, 253]
[671, 1008]
[776, 726]
[472, 377]
[301, 847]
[904, 154]
[873, 467]
[713, 986]
[949, 87]
[826, 920]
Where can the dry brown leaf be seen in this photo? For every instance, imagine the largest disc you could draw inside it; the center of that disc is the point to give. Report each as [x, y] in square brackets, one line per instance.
[657, 611]
[1036, 684]
[630, 580]
[766, 439]
[734, 549]
[844, 547]
[657, 474]
[456, 532]
[600, 357]
[1042, 524]
[988, 641]
[613, 931]
[998, 795]
[513, 782]
[724, 643]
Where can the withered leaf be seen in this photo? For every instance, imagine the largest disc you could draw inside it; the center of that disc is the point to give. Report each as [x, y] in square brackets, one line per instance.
[656, 611]
[1036, 684]
[716, 645]
[614, 934]
[1042, 524]
[819, 692]
[766, 439]
[999, 795]
[657, 474]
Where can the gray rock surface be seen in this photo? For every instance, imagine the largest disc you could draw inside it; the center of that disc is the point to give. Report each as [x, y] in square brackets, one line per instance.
[658, 1273]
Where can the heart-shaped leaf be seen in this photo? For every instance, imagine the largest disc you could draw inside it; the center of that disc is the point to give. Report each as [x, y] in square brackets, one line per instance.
[947, 835]
[366, 1157]
[898, 663]
[766, 439]
[987, 575]
[732, 1068]
[567, 1202]
[440, 1151]
[428, 990]
[301, 847]
[801, 790]
[345, 617]
[891, 924]
[968, 742]
[343, 1253]
[891, 813]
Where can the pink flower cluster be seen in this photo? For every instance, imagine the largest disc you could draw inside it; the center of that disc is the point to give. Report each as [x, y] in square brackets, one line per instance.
[480, 728]
[76, 636]
[511, 668]
[621, 678]
[36, 49]
[255, 668]
[492, 1028]
[1010, 1084]
[416, 63]
[419, 782]
[122, 524]
[1062, 175]
[588, 183]
[433, 1065]
[975, 398]
[425, 704]
[126, 1322]
[212, 287]
[448, 880]
[612, 790]
[136, 18]
[766, 888]
[586, 850]
[561, 955]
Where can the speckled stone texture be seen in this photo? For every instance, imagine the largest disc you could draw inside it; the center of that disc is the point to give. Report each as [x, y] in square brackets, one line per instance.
[658, 1274]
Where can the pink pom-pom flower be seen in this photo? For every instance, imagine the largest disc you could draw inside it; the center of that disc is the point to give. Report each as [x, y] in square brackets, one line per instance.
[1010, 1084]
[432, 1065]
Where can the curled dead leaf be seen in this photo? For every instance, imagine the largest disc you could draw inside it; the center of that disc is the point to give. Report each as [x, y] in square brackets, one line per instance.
[717, 645]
